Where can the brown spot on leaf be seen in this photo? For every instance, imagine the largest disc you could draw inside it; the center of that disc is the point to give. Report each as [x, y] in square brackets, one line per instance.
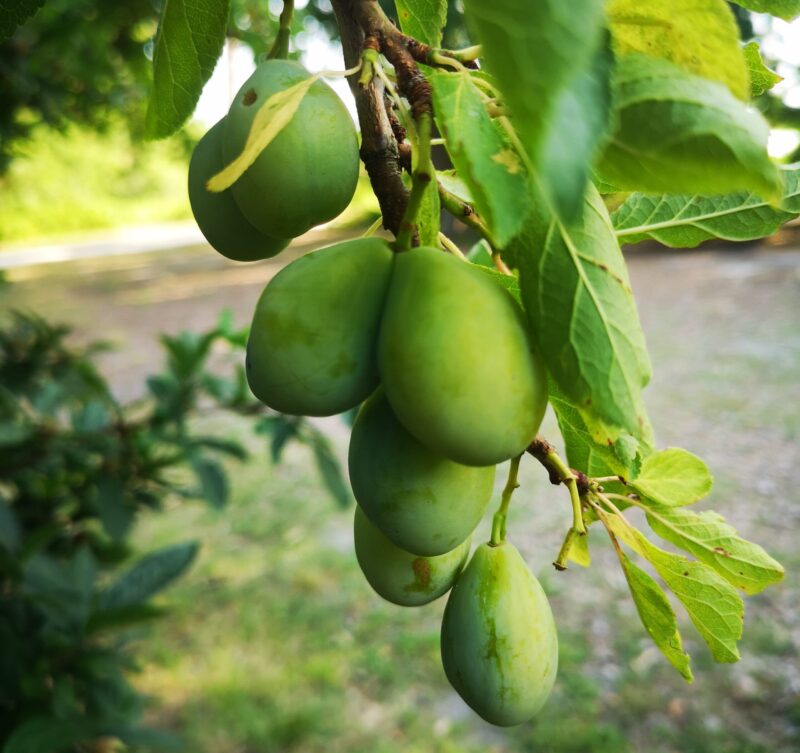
[249, 97]
[721, 550]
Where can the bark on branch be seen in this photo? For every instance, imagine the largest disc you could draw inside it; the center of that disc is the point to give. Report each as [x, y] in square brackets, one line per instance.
[379, 148]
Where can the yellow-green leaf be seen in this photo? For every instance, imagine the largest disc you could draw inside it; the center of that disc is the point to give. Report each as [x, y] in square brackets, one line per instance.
[582, 315]
[785, 9]
[708, 537]
[680, 133]
[713, 605]
[657, 616]
[273, 116]
[700, 36]
[482, 154]
[423, 19]
[579, 551]
[673, 477]
[761, 78]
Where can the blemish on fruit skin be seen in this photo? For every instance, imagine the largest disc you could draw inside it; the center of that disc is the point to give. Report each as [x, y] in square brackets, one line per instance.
[422, 572]
[250, 96]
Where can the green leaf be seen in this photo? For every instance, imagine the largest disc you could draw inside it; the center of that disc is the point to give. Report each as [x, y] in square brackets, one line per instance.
[92, 417]
[482, 154]
[188, 351]
[580, 124]
[190, 38]
[149, 738]
[481, 254]
[429, 214]
[272, 117]
[535, 50]
[149, 576]
[228, 447]
[62, 588]
[282, 428]
[122, 617]
[582, 313]
[699, 36]
[679, 133]
[713, 605]
[14, 13]
[508, 282]
[9, 527]
[673, 477]
[587, 454]
[761, 78]
[330, 469]
[686, 221]
[423, 19]
[657, 615]
[454, 183]
[708, 537]
[45, 734]
[212, 479]
[115, 513]
[786, 9]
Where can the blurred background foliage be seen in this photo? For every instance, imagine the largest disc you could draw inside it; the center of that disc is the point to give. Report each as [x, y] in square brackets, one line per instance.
[76, 470]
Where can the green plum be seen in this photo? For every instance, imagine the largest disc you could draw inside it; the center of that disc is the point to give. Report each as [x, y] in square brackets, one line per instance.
[217, 214]
[307, 174]
[456, 362]
[312, 345]
[399, 576]
[421, 501]
[499, 641]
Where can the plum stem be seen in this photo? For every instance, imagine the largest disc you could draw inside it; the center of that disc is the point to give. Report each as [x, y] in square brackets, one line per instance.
[499, 519]
[280, 47]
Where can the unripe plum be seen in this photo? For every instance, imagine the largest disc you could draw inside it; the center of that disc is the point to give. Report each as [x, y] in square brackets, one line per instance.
[307, 174]
[217, 214]
[499, 642]
[456, 362]
[312, 345]
[402, 577]
[420, 500]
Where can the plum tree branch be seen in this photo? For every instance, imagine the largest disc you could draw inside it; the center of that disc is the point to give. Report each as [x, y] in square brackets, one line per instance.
[364, 25]
[379, 149]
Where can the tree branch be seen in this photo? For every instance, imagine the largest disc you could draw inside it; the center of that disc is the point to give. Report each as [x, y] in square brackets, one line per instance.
[379, 149]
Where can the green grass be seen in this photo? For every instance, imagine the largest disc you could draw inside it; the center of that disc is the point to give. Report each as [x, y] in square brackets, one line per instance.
[65, 182]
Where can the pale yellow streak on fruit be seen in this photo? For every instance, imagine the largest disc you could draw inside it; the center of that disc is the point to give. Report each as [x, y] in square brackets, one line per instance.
[270, 120]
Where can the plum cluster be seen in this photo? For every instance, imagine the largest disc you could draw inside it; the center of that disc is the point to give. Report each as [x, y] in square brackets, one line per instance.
[436, 354]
